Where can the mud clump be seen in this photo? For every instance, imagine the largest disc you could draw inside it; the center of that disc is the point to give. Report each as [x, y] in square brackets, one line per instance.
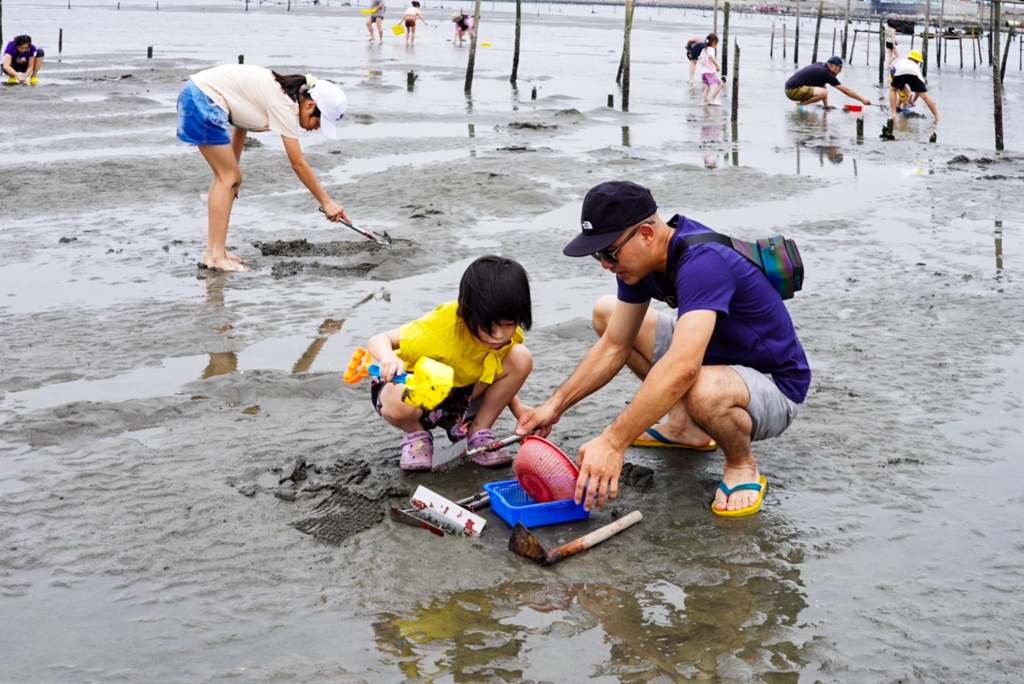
[640, 477]
[305, 248]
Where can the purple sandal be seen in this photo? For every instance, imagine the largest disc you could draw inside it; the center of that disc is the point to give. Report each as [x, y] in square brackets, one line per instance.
[490, 459]
[417, 451]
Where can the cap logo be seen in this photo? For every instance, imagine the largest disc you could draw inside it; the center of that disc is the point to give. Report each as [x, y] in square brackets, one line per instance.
[587, 227]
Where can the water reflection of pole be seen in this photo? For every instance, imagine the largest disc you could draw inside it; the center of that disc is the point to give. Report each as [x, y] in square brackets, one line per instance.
[798, 159]
[999, 250]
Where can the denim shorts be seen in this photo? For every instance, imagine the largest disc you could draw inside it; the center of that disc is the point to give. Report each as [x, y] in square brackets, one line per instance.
[770, 411]
[200, 121]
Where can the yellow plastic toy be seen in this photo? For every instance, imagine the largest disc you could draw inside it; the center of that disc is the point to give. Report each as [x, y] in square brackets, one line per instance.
[426, 387]
[398, 29]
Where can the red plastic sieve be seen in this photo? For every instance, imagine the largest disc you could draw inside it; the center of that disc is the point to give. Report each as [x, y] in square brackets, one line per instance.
[544, 471]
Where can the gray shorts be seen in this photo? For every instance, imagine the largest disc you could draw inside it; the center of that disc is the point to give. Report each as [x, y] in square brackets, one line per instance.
[771, 411]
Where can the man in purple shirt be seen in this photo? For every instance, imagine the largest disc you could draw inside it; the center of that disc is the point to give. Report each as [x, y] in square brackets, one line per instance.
[22, 61]
[729, 371]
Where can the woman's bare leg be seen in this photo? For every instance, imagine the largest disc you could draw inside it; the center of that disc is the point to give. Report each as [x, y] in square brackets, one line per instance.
[227, 177]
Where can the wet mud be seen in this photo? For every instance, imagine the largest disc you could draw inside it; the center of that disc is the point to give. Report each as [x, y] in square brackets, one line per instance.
[188, 491]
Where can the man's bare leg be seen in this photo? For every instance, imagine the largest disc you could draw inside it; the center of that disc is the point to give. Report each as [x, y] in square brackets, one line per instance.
[718, 401]
[678, 426]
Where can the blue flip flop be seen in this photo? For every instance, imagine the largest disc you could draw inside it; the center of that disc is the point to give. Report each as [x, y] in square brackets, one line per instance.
[761, 487]
[661, 441]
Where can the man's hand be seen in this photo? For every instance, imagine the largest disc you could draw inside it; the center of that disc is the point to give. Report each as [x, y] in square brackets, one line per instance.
[600, 465]
[538, 421]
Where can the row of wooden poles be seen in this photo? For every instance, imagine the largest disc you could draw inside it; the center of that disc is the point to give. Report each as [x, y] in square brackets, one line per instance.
[622, 77]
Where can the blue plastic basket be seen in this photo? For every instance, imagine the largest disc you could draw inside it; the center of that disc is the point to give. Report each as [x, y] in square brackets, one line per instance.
[513, 504]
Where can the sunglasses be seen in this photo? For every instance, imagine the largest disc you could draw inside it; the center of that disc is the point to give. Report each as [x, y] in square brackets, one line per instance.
[611, 256]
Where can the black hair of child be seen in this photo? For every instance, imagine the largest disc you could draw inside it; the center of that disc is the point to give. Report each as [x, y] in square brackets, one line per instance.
[712, 38]
[23, 39]
[294, 86]
[494, 290]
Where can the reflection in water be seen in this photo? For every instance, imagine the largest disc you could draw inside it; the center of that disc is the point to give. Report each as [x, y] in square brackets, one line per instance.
[221, 363]
[999, 252]
[727, 620]
[215, 289]
[327, 328]
[472, 130]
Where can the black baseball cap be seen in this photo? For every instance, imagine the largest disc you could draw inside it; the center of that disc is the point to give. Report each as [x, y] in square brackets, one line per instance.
[838, 61]
[608, 210]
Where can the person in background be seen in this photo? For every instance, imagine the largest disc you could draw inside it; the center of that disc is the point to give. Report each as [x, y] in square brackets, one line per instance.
[22, 61]
[907, 74]
[216, 110]
[890, 41]
[709, 70]
[463, 24]
[377, 16]
[694, 47]
[412, 14]
[810, 84]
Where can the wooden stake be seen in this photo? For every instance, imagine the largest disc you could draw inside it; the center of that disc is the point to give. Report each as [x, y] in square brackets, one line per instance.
[796, 38]
[771, 43]
[783, 41]
[881, 53]
[735, 78]
[725, 41]
[997, 83]
[817, 32]
[515, 52]
[924, 38]
[630, 6]
[472, 48]
[1006, 54]
[241, 59]
[938, 45]
[846, 29]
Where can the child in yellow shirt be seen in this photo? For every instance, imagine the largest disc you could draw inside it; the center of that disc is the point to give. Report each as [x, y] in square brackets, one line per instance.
[481, 337]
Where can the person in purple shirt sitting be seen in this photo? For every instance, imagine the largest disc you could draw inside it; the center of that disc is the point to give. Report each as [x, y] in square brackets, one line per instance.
[727, 371]
[810, 84]
[22, 61]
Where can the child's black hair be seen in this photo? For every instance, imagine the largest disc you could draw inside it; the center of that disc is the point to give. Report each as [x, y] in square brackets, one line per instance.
[712, 38]
[493, 290]
[23, 39]
[294, 86]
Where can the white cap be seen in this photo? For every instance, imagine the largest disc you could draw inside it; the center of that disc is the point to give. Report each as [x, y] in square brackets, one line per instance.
[332, 103]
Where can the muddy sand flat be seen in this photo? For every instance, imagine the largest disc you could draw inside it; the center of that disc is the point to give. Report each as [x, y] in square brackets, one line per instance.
[150, 409]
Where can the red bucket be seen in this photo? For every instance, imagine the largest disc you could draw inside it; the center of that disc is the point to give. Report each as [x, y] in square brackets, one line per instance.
[544, 472]
[854, 108]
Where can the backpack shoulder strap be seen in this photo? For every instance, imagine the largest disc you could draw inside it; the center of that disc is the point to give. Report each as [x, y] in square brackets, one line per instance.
[701, 238]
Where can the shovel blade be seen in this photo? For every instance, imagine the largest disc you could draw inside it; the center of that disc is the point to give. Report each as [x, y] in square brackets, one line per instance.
[523, 543]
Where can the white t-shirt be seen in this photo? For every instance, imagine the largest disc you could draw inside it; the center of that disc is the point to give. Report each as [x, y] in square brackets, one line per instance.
[705, 63]
[252, 97]
[413, 12]
[907, 67]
